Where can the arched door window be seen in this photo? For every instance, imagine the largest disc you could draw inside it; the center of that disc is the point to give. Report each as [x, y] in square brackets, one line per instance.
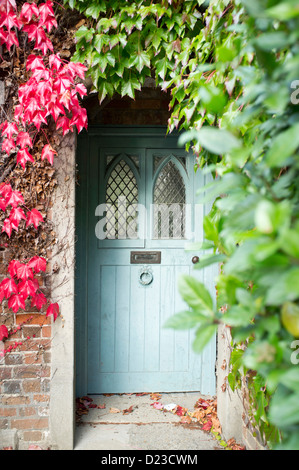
[169, 198]
[121, 200]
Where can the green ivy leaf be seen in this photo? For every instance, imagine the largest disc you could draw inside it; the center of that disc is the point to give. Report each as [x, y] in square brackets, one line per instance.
[216, 141]
[129, 86]
[203, 336]
[95, 9]
[185, 320]
[196, 295]
[283, 146]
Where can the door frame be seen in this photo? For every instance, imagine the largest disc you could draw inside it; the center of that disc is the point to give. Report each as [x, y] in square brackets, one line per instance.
[82, 227]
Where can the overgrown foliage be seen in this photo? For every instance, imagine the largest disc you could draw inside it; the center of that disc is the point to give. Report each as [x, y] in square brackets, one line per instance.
[232, 69]
[47, 89]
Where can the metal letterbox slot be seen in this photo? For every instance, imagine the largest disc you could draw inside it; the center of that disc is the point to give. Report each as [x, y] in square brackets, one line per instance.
[145, 257]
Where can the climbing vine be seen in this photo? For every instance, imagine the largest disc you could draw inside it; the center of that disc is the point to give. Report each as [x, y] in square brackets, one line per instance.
[47, 98]
[232, 70]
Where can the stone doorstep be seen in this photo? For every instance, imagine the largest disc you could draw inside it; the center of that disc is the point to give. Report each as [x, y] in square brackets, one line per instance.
[9, 438]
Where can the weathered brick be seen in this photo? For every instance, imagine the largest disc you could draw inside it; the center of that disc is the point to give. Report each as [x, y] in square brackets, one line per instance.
[37, 319]
[32, 330]
[12, 387]
[41, 398]
[5, 373]
[32, 386]
[3, 424]
[146, 104]
[5, 412]
[47, 357]
[46, 331]
[36, 345]
[20, 400]
[43, 411]
[27, 372]
[33, 358]
[30, 423]
[32, 436]
[46, 383]
[13, 359]
[7, 320]
[27, 411]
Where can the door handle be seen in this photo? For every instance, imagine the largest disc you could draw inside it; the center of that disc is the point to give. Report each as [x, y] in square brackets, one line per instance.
[195, 259]
[146, 276]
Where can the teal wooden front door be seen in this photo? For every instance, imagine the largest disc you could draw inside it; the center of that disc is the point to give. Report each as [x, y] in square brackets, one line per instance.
[137, 211]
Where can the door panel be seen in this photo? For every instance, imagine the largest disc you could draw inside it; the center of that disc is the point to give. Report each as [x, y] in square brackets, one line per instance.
[128, 348]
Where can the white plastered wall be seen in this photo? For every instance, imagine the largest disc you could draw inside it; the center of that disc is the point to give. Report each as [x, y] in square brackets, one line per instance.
[62, 392]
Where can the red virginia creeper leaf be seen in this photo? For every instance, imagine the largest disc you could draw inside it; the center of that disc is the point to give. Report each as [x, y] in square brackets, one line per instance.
[38, 264]
[24, 140]
[35, 62]
[46, 10]
[55, 62]
[7, 228]
[8, 145]
[8, 5]
[53, 309]
[24, 272]
[3, 332]
[12, 267]
[9, 128]
[27, 12]
[77, 69]
[34, 217]
[8, 287]
[15, 199]
[48, 153]
[16, 302]
[64, 123]
[5, 190]
[2, 204]
[23, 157]
[38, 300]
[16, 215]
[27, 288]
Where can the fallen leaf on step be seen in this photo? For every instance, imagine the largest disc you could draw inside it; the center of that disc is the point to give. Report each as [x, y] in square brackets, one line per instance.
[86, 398]
[234, 446]
[128, 410]
[157, 405]
[181, 411]
[207, 426]
[186, 420]
[155, 396]
[199, 414]
[114, 410]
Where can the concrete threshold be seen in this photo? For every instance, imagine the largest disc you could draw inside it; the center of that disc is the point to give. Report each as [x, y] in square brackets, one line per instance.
[131, 423]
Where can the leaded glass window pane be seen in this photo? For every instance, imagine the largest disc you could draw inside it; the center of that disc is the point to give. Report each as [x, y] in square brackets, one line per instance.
[169, 204]
[121, 200]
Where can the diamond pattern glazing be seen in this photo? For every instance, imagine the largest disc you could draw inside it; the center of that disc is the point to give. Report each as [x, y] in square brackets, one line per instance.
[121, 193]
[169, 204]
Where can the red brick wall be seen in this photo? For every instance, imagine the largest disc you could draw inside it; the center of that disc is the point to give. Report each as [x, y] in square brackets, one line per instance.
[150, 107]
[25, 370]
